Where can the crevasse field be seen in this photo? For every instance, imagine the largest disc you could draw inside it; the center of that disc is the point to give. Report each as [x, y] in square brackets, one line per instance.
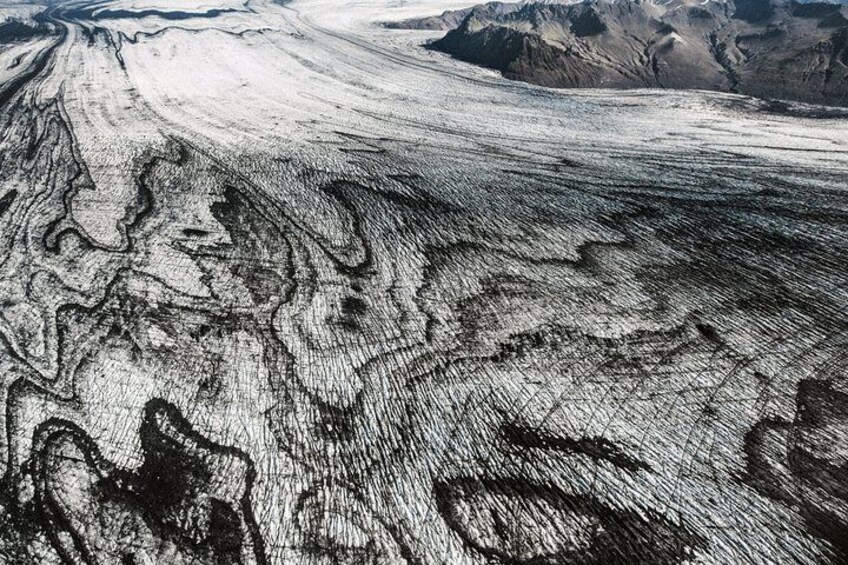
[280, 285]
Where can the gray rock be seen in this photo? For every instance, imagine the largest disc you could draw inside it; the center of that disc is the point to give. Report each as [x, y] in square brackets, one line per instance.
[764, 48]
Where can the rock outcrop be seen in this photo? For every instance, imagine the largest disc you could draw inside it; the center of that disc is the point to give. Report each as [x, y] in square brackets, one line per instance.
[765, 48]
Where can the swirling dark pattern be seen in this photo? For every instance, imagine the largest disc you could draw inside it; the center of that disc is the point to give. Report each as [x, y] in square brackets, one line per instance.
[278, 285]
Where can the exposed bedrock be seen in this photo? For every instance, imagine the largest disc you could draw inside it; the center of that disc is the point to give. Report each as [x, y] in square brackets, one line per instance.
[764, 48]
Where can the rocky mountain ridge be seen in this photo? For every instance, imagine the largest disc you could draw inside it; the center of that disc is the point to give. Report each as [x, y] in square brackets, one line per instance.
[766, 48]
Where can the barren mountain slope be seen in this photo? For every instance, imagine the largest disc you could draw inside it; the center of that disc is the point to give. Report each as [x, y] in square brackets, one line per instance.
[765, 48]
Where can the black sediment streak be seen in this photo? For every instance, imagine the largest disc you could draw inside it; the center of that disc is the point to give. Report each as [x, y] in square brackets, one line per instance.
[7, 200]
[596, 448]
[12, 87]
